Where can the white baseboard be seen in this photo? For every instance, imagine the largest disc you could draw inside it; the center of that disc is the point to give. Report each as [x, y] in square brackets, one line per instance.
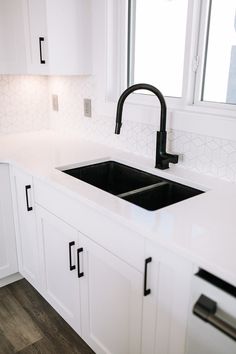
[10, 279]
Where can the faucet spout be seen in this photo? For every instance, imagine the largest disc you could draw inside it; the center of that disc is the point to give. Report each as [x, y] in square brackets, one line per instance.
[162, 157]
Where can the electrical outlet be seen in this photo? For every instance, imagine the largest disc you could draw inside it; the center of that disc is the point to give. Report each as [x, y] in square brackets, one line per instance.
[87, 107]
[55, 104]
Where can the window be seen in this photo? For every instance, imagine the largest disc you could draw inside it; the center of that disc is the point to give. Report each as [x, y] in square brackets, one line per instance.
[161, 50]
[219, 79]
[159, 30]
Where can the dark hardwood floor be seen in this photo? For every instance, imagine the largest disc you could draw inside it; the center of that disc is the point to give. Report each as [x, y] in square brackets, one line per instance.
[29, 325]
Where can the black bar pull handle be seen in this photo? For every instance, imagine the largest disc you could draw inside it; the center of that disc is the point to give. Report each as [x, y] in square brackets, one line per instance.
[42, 61]
[79, 250]
[146, 291]
[29, 208]
[71, 244]
[206, 309]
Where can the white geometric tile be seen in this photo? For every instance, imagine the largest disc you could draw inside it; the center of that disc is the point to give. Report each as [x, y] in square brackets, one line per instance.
[24, 104]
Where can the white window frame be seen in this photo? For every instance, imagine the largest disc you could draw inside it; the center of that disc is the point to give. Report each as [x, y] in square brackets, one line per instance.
[188, 75]
[117, 52]
[228, 108]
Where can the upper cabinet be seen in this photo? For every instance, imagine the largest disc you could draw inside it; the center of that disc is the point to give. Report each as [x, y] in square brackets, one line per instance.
[45, 37]
[13, 57]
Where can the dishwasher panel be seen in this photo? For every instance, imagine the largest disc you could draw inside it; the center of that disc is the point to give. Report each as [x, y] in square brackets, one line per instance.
[212, 328]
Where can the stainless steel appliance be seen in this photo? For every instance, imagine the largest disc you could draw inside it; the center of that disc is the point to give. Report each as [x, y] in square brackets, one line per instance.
[212, 317]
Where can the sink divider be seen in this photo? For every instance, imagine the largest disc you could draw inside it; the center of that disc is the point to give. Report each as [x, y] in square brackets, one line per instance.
[142, 189]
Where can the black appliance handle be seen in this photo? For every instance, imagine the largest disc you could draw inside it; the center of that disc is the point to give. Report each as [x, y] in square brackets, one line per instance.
[146, 291]
[71, 244]
[29, 208]
[79, 250]
[206, 309]
[42, 61]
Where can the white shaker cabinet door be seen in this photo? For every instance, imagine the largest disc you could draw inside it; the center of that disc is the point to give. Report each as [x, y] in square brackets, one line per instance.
[8, 256]
[45, 37]
[111, 301]
[69, 36]
[36, 39]
[58, 244]
[58, 37]
[166, 304]
[26, 230]
[13, 53]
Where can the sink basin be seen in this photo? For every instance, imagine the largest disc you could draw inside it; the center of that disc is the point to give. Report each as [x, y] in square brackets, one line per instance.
[113, 177]
[161, 196]
[135, 186]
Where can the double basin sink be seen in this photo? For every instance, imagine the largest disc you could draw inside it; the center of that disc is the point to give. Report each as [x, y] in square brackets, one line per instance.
[148, 191]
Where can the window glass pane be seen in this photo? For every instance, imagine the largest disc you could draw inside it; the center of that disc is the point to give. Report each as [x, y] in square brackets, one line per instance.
[159, 43]
[219, 83]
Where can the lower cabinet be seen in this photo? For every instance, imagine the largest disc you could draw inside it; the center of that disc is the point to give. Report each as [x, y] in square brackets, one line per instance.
[115, 308]
[166, 302]
[8, 256]
[111, 301]
[97, 293]
[60, 286]
[25, 221]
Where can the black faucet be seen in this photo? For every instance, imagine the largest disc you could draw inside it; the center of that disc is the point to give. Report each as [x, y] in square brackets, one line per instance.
[162, 157]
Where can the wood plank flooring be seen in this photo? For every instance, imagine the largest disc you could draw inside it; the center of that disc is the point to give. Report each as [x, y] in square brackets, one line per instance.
[29, 325]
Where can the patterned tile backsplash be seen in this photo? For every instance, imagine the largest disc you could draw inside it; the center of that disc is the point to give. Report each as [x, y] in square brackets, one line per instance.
[25, 104]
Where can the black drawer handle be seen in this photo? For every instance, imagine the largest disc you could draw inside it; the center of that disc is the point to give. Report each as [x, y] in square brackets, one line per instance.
[29, 208]
[42, 61]
[79, 250]
[206, 309]
[146, 291]
[71, 244]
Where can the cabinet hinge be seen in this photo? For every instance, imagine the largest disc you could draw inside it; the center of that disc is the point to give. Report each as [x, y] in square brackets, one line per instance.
[196, 62]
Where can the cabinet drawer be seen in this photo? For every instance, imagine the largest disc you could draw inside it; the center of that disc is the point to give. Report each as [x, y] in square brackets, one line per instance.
[114, 237]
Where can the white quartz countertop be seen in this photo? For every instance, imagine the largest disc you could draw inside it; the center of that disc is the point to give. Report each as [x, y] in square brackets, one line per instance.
[201, 229]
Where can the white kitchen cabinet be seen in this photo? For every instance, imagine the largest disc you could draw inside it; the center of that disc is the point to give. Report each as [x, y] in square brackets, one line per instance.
[26, 231]
[8, 256]
[165, 308]
[13, 54]
[59, 37]
[101, 297]
[111, 301]
[36, 40]
[47, 37]
[58, 245]
[69, 37]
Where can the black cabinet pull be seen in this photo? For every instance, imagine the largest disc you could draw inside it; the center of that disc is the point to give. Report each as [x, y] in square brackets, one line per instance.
[42, 61]
[205, 309]
[29, 208]
[72, 243]
[80, 274]
[146, 291]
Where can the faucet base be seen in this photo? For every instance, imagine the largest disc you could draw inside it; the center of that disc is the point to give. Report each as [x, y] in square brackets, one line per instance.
[163, 162]
[162, 157]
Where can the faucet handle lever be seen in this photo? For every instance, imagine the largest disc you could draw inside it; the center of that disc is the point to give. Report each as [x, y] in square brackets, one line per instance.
[172, 157]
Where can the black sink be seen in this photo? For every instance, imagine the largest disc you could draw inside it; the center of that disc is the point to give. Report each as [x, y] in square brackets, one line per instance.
[113, 177]
[138, 187]
[161, 196]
